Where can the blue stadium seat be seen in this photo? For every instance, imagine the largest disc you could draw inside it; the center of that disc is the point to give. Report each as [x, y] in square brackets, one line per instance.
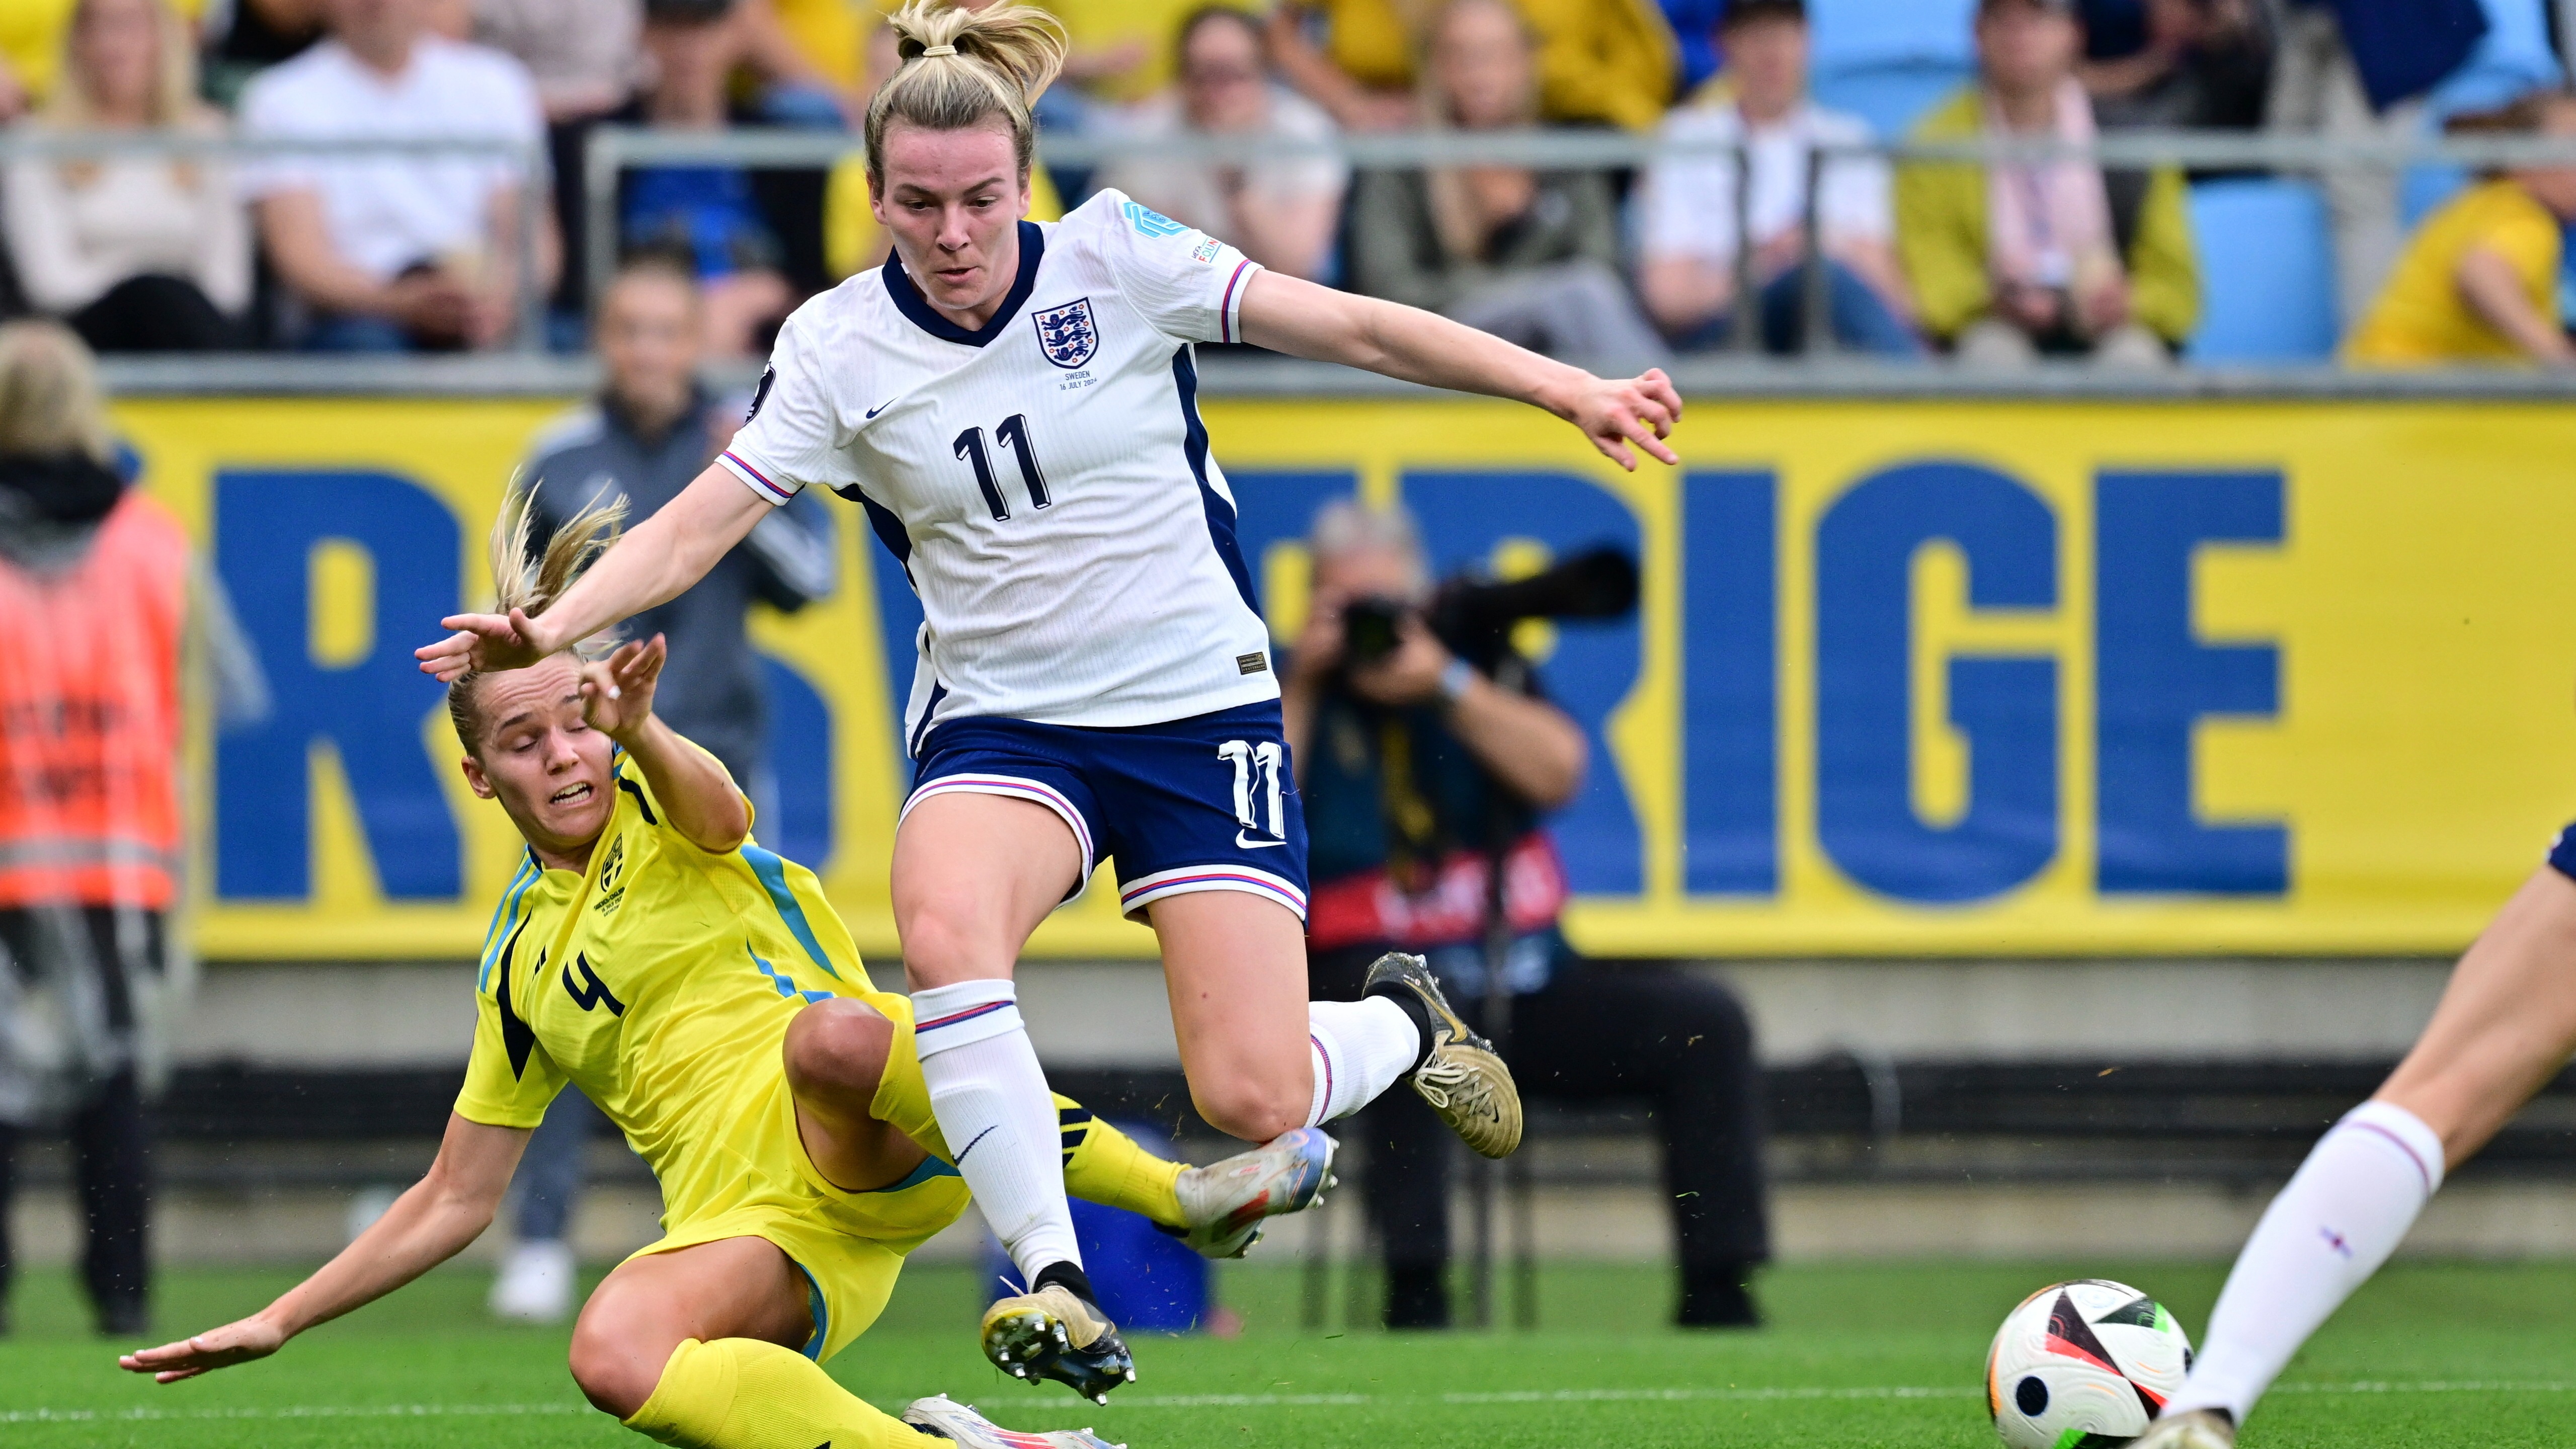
[1888, 61]
[2266, 272]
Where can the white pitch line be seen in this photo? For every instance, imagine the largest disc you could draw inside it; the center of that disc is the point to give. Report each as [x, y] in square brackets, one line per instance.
[1264, 1401]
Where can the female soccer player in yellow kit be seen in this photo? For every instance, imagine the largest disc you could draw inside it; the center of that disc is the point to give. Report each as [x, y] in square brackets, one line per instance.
[703, 993]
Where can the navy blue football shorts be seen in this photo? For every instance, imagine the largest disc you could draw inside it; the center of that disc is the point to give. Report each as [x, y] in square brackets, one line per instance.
[2562, 853]
[1207, 803]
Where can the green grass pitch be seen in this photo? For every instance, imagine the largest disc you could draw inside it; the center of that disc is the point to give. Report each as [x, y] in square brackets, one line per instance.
[1860, 1355]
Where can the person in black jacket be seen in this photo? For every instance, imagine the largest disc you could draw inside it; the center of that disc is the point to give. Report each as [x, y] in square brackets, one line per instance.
[1412, 764]
[652, 429]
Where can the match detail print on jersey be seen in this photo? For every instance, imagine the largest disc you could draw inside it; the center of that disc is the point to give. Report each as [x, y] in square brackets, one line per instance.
[1045, 479]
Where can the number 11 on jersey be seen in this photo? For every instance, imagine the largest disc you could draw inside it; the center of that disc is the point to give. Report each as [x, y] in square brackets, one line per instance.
[1014, 435]
[1249, 760]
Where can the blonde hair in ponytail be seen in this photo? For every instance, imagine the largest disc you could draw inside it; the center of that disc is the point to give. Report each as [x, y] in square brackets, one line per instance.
[960, 68]
[530, 584]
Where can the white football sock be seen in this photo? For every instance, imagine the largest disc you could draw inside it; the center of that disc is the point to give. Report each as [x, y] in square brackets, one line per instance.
[1359, 1048]
[993, 1106]
[2329, 1230]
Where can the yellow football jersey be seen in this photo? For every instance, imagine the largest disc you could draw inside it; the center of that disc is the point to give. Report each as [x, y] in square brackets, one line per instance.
[661, 982]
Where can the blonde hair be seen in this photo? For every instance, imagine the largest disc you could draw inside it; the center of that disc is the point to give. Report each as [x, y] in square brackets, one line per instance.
[530, 584]
[958, 68]
[174, 92]
[49, 395]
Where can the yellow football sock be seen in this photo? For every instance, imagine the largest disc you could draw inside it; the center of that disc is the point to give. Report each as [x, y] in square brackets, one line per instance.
[1105, 1165]
[740, 1393]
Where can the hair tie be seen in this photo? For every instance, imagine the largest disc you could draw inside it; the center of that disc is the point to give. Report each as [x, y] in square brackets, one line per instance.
[930, 51]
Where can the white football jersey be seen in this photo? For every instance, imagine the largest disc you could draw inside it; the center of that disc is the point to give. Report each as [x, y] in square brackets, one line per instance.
[1045, 480]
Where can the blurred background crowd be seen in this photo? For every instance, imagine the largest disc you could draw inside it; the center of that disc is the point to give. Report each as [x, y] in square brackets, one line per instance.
[2379, 263]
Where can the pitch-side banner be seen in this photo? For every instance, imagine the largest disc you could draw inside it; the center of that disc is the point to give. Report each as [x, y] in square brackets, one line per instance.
[1907, 677]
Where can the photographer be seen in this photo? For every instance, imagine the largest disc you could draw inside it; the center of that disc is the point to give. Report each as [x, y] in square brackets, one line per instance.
[1414, 766]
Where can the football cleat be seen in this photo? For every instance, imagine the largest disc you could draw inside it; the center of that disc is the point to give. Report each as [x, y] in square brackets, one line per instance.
[1053, 1334]
[1228, 1203]
[1463, 1080]
[960, 1424]
[2198, 1429]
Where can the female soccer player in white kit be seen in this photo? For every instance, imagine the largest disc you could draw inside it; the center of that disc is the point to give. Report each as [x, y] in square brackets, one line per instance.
[1014, 406]
[2506, 1025]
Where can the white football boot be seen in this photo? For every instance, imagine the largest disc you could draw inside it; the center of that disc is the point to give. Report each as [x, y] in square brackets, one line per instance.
[2197, 1429]
[1228, 1203]
[535, 1284]
[958, 1422]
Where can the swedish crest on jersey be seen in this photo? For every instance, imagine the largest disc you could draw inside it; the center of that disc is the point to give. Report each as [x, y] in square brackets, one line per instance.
[1067, 334]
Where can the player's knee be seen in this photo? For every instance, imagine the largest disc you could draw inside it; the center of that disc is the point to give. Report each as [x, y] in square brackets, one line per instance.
[948, 936]
[614, 1369]
[1248, 1107]
[839, 1048]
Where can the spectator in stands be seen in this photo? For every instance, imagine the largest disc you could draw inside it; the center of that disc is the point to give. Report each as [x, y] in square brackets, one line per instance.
[2022, 258]
[140, 253]
[396, 252]
[2360, 70]
[1599, 62]
[1527, 255]
[587, 59]
[95, 602]
[653, 428]
[1282, 211]
[2480, 280]
[708, 213]
[2203, 64]
[1688, 218]
[1125, 53]
[1413, 766]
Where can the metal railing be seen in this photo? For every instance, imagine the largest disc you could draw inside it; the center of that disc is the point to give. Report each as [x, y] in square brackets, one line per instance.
[536, 196]
[611, 151]
[614, 150]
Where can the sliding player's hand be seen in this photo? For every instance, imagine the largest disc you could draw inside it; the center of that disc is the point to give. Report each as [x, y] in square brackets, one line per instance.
[1617, 412]
[237, 1342]
[484, 643]
[617, 692]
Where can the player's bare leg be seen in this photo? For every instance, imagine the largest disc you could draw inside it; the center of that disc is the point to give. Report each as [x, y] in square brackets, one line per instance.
[703, 1345]
[973, 876]
[2505, 1026]
[836, 1053]
[1235, 966]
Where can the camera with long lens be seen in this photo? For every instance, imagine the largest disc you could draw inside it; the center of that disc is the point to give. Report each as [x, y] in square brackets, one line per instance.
[1474, 617]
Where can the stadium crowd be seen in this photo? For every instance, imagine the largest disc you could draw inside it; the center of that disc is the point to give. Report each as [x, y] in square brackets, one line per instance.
[1991, 264]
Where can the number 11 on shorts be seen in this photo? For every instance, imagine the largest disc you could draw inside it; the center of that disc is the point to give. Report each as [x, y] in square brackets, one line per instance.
[1248, 759]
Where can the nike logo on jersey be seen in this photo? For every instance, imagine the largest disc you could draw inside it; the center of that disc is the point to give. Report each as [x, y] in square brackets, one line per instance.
[1242, 843]
[881, 407]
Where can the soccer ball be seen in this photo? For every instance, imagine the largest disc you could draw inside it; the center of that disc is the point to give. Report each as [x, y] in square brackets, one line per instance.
[2084, 1364]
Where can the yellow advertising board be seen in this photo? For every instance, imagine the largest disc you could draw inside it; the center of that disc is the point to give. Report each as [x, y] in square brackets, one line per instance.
[1907, 677]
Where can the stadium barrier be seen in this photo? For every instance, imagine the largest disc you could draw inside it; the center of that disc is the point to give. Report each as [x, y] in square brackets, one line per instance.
[2249, 664]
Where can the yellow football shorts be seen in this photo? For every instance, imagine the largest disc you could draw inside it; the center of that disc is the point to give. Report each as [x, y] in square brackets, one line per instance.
[848, 1245]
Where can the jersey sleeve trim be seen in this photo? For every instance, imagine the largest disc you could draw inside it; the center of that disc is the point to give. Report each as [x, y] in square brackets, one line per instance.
[757, 481]
[1229, 307]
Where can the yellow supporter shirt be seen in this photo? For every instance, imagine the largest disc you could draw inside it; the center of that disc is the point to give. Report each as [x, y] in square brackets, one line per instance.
[32, 33]
[2421, 317]
[1598, 60]
[1098, 25]
[832, 35]
[660, 982]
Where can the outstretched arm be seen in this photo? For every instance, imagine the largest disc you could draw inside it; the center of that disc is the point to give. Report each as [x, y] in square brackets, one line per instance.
[425, 1227]
[654, 563]
[1301, 319]
[695, 790]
